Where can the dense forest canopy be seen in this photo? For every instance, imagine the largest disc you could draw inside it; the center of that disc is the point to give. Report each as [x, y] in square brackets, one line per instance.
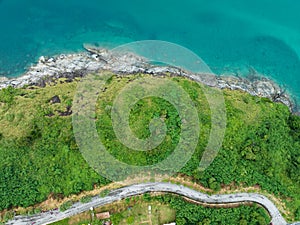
[39, 155]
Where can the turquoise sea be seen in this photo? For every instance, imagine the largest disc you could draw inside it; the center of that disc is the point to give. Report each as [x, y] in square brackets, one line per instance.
[229, 35]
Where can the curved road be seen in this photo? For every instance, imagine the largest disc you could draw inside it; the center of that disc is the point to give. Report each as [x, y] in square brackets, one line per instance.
[137, 189]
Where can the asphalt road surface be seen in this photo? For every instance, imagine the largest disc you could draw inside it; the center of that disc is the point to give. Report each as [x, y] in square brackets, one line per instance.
[137, 189]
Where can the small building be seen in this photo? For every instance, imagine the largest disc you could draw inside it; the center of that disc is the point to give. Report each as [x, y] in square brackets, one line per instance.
[103, 215]
[107, 223]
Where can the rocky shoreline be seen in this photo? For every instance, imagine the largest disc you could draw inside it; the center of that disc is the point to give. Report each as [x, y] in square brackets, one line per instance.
[95, 59]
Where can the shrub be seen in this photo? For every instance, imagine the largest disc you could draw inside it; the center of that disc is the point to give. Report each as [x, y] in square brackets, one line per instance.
[104, 193]
[66, 205]
[86, 199]
[130, 220]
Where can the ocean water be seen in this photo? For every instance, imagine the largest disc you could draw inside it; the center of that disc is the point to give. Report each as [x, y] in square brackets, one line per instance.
[229, 35]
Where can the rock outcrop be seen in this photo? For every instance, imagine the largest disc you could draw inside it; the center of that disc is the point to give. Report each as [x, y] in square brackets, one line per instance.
[55, 99]
[49, 69]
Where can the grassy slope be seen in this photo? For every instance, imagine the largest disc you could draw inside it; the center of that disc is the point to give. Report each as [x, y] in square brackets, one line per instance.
[40, 156]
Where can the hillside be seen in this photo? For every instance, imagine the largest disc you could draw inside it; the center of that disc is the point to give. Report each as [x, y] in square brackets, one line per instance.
[40, 156]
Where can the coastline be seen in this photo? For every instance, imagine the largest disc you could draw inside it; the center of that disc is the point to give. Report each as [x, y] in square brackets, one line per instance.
[96, 59]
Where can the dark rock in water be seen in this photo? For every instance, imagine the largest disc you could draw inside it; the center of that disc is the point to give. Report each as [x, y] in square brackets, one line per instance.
[55, 99]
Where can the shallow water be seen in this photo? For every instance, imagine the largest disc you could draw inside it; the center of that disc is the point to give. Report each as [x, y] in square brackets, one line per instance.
[230, 36]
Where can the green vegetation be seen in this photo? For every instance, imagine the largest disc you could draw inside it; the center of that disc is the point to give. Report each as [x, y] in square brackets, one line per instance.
[62, 222]
[7, 216]
[65, 206]
[40, 156]
[170, 208]
[104, 193]
[189, 213]
[139, 213]
[86, 199]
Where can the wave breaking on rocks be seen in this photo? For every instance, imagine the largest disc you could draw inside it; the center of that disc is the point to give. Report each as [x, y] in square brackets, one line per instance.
[96, 59]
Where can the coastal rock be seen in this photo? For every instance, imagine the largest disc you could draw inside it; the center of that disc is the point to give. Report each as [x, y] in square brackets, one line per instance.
[205, 78]
[3, 79]
[265, 88]
[96, 59]
[42, 59]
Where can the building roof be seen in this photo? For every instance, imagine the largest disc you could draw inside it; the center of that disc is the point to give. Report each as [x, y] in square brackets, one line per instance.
[103, 215]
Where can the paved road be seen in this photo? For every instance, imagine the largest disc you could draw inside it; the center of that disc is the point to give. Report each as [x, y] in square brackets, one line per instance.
[56, 215]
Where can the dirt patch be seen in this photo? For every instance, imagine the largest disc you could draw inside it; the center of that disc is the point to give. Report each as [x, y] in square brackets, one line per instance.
[86, 216]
